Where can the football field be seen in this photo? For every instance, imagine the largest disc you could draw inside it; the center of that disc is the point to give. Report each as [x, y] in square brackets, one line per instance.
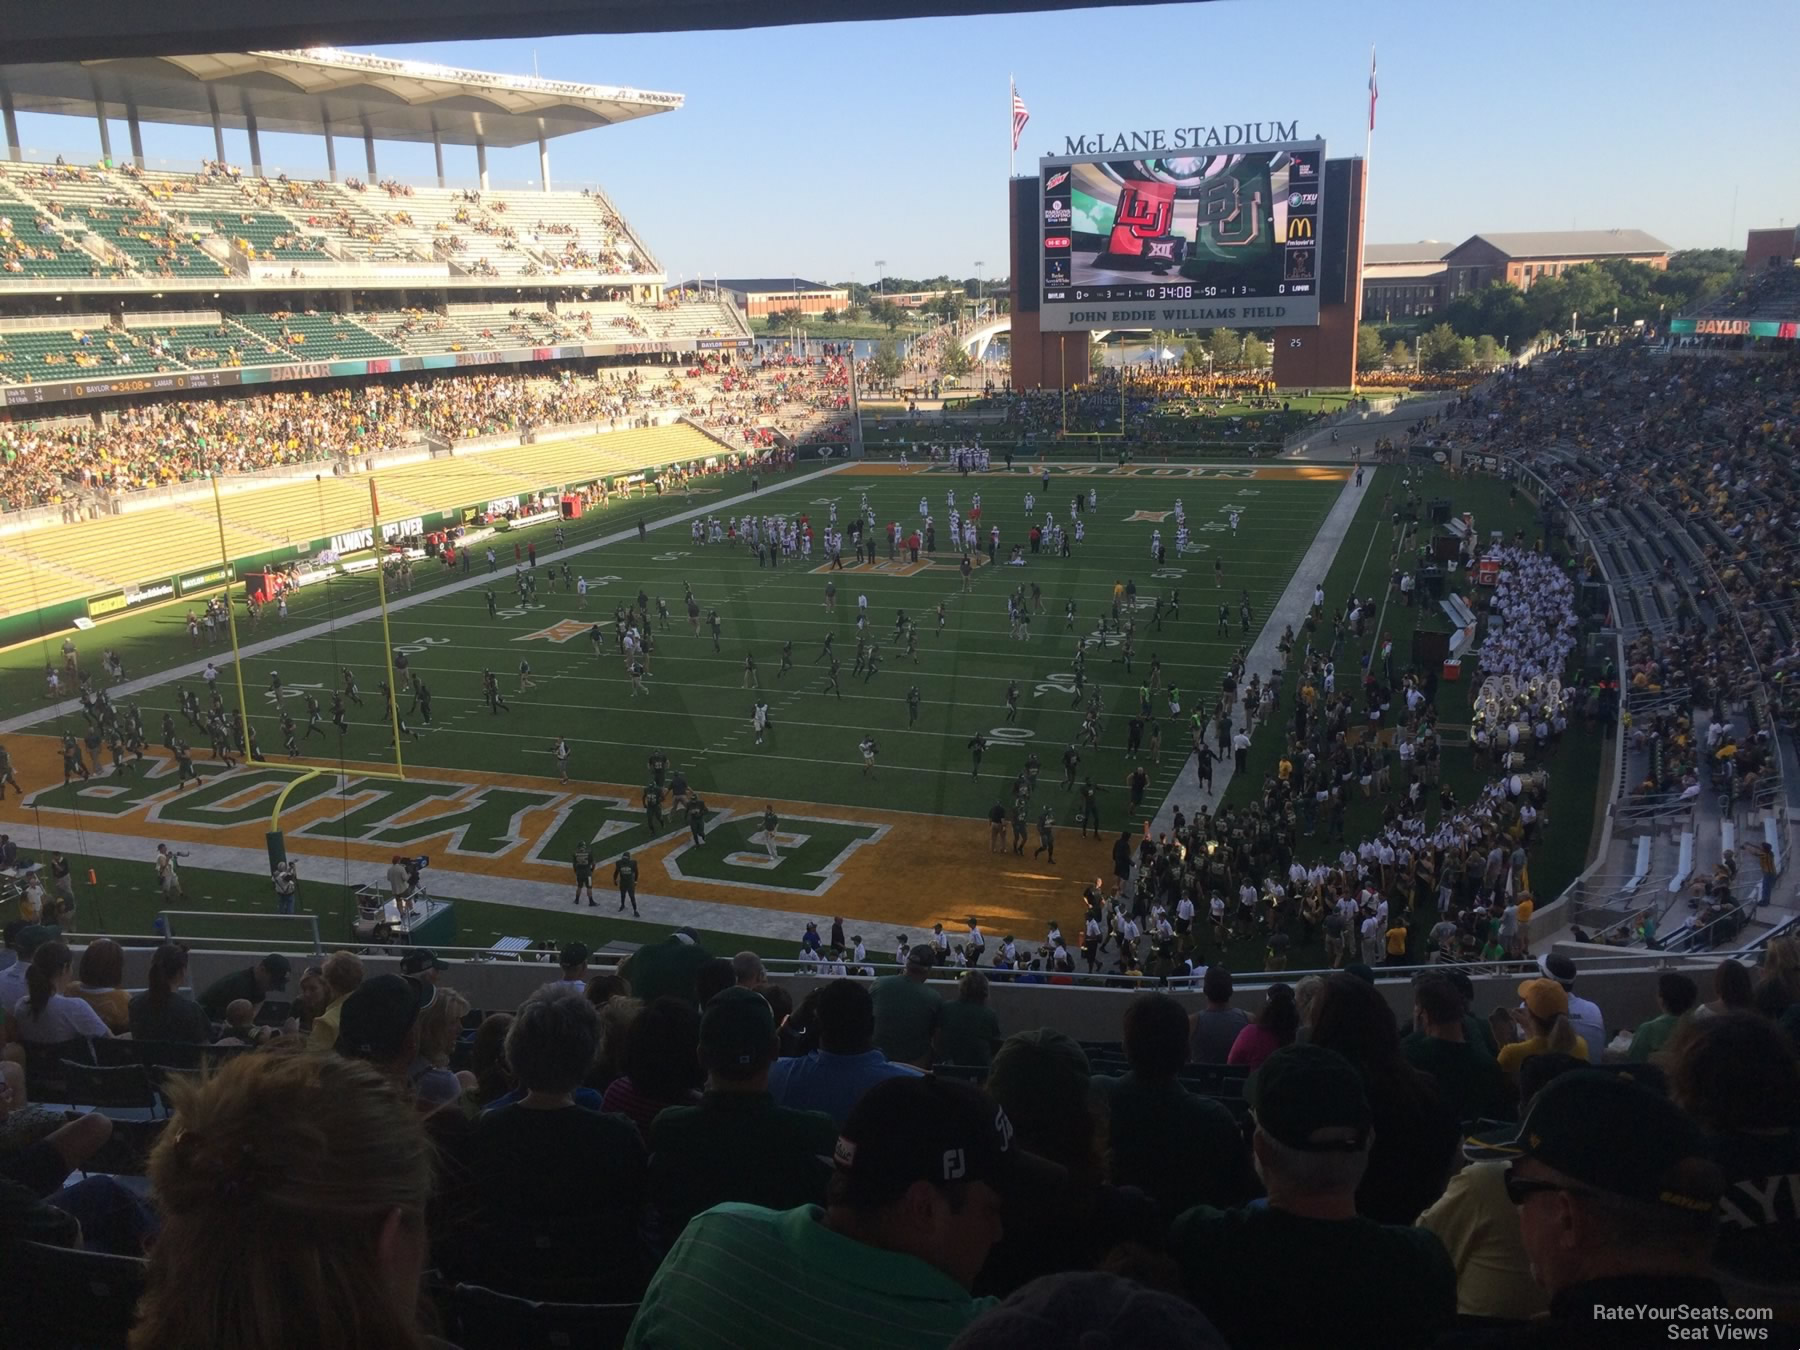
[895, 846]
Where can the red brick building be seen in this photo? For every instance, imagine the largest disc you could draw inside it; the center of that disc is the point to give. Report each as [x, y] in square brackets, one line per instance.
[1765, 250]
[1524, 257]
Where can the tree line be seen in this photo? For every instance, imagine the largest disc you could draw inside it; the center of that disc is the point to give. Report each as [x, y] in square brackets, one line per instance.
[1486, 327]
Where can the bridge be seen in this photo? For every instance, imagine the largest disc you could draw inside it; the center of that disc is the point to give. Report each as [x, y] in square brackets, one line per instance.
[981, 338]
[978, 340]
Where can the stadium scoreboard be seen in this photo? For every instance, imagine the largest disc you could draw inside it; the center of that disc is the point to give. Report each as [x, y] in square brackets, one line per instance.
[1228, 239]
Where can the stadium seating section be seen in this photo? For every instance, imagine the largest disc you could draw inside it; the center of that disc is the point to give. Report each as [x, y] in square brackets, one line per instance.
[151, 218]
[32, 245]
[90, 223]
[48, 566]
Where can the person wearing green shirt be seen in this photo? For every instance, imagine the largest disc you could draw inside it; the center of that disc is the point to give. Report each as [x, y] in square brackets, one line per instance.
[736, 1145]
[1677, 994]
[969, 1031]
[1179, 1148]
[1468, 1079]
[922, 1178]
[908, 1011]
[1305, 1268]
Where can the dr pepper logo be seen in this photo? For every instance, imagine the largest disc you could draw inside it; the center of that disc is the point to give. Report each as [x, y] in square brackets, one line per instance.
[1056, 180]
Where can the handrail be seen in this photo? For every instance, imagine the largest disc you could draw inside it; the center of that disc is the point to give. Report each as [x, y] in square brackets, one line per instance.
[544, 952]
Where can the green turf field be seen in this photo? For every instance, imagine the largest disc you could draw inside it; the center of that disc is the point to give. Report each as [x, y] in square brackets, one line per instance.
[155, 638]
[697, 708]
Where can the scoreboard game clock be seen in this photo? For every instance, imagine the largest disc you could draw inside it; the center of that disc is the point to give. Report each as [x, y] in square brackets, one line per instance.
[1208, 240]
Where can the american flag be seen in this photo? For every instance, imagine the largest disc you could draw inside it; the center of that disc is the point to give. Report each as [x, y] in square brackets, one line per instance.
[1374, 92]
[1019, 116]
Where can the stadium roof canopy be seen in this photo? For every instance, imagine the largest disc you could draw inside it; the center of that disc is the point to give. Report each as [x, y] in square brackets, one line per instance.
[110, 28]
[308, 91]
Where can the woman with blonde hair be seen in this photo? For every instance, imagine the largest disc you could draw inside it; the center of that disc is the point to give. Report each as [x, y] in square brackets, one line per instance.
[1545, 1015]
[440, 1027]
[1778, 981]
[293, 1190]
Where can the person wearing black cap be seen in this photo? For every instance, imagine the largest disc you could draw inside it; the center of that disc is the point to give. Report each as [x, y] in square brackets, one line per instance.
[1618, 1207]
[253, 984]
[423, 964]
[573, 958]
[379, 1023]
[1305, 1268]
[666, 967]
[921, 1178]
[736, 1144]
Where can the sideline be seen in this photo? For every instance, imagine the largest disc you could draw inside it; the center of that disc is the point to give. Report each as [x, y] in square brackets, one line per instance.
[1263, 656]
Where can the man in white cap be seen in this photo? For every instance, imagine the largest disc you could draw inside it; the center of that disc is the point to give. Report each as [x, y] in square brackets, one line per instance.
[1584, 1015]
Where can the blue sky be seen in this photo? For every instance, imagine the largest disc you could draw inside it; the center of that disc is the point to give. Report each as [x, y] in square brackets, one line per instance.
[817, 150]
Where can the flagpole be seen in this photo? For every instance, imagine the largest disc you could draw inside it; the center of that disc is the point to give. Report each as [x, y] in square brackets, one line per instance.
[1369, 134]
[1368, 159]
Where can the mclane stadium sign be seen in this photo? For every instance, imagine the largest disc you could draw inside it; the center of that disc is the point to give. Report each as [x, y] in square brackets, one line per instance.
[1181, 138]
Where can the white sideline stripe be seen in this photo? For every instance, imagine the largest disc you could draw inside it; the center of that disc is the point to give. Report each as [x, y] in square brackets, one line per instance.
[1293, 606]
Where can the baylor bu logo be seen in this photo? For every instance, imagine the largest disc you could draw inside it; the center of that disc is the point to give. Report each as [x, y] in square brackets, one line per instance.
[561, 631]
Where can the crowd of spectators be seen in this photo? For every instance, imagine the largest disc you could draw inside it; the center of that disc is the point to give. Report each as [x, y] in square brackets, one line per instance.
[1773, 293]
[676, 1134]
[1710, 441]
[151, 445]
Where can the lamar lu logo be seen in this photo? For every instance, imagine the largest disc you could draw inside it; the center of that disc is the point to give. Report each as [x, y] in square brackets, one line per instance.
[560, 631]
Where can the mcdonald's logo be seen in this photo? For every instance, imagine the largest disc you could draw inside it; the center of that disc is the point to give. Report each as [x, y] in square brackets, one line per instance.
[1300, 227]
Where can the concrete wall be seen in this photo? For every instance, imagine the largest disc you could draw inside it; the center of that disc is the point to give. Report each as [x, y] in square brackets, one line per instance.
[1626, 996]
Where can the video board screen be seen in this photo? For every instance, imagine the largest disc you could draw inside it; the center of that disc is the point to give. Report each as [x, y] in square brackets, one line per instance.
[1225, 240]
